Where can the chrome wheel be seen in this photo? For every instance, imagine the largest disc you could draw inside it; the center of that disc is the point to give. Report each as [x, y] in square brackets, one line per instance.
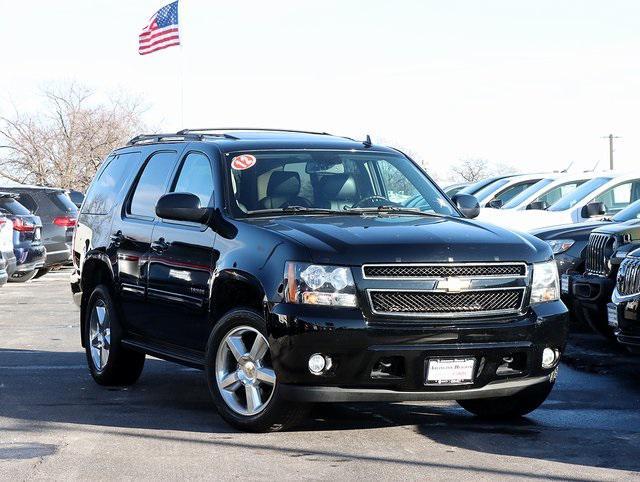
[100, 335]
[244, 373]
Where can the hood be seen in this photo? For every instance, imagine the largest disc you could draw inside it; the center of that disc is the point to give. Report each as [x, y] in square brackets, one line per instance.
[570, 231]
[630, 228]
[527, 220]
[354, 240]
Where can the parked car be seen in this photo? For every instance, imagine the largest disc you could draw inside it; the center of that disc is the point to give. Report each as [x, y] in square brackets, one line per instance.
[285, 266]
[540, 195]
[6, 243]
[27, 243]
[474, 187]
[569, 243]
[3, 271]
[453, 189]
[58, 215]
[496, 194]
[624, 311]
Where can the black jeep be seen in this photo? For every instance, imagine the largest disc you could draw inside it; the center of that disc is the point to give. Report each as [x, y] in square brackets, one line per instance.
[590, 291]
[624, 312]
[288, 266]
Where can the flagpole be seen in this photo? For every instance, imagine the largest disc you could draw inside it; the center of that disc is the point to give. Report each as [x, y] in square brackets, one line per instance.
[182, 126]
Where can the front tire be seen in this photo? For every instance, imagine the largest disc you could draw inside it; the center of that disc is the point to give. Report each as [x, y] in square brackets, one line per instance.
[109, 362]
[241, 378]
[513, 406]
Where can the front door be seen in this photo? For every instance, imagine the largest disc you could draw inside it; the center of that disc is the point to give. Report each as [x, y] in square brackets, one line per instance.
[181, 263]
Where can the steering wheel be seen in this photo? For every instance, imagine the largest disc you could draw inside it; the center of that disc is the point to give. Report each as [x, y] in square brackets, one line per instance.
[369, 202]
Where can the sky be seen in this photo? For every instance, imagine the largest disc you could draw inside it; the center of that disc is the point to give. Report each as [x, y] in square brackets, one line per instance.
[533, 85]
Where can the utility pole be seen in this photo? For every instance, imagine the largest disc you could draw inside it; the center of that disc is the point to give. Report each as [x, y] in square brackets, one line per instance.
[611, 137]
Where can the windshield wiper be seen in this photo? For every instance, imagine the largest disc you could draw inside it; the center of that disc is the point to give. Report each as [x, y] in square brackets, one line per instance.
[296, 210]
[385, 209]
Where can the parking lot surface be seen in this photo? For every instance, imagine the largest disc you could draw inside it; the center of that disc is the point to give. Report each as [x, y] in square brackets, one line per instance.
[56, 423]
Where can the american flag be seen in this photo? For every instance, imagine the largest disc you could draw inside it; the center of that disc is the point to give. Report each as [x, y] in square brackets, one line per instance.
[162, 30]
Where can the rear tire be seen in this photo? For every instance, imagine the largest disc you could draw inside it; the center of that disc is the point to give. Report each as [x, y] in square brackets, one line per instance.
[109, 362]
[513, 406]
[23, 277]
[241, 328]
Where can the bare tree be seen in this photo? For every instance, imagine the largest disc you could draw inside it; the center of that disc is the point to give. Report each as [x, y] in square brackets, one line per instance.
[64, 144]
[470, 170]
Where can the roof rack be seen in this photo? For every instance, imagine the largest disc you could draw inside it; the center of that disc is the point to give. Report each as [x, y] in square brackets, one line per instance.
[152, 138]
[261, 129]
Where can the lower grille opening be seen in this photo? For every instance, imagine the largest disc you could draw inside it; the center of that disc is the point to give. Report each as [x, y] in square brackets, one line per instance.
[441, 303]
[515, 364]
[389, 367]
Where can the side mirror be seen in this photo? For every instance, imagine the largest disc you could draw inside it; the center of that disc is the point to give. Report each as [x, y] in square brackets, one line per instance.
[467, 204]
[539, 205]
[594, 209]
[181, 206]
[495, 203]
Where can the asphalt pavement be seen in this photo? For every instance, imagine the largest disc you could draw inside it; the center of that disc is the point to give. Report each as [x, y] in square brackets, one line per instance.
[56, 423]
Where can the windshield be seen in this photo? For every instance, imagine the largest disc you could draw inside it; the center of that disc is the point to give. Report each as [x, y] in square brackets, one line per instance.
[527, 193]
[490, 189]
[579, 194]
[627, 214]
[263, 181]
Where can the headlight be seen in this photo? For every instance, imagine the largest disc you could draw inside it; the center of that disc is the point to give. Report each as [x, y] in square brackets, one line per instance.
[316, 284]
[545, 285]
[560, 245]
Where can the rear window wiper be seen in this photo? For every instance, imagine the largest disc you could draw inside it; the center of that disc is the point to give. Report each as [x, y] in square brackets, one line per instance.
[385, 209]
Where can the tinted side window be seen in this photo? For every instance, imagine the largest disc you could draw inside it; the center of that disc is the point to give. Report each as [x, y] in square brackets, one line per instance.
[63, 202]
[11, 206]
[196, 178]
[102, 196]
[152, 184]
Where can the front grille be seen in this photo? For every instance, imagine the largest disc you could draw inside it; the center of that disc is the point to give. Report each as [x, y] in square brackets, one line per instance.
[629, 277]
[432, 303]
[598, 251]
[444, 271]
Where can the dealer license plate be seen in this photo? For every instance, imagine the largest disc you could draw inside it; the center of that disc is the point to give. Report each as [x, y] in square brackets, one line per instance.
[564, 284]
[612, 314]
[450, 371]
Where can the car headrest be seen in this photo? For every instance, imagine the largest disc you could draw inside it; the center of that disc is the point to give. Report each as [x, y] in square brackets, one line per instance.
[338, 186]
[283, 184]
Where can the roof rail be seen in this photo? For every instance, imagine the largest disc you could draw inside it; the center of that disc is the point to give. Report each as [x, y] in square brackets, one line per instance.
[152, 138]
[261, 129]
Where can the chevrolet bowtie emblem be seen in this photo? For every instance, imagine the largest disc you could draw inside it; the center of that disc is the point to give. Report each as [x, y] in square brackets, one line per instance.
[453, 285]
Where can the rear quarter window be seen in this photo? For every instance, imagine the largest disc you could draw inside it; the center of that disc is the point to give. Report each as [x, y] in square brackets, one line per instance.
[103, 194]
[63, 202]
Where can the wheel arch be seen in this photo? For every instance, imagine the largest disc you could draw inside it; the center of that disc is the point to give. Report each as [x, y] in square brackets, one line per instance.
[96, 270]
[236, 288]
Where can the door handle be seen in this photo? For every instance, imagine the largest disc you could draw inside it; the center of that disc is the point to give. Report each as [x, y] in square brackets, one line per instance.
[159, 246]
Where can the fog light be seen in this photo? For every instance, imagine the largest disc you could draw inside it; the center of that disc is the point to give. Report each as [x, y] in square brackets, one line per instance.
[318, 363]
[549, 357]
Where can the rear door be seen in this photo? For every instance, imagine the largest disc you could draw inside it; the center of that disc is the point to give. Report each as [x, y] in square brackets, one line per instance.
[131, 239]
[181, 263]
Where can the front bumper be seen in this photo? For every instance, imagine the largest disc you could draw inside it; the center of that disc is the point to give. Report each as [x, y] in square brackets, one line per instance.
[357, 348]
[628, 331]
[589, 297]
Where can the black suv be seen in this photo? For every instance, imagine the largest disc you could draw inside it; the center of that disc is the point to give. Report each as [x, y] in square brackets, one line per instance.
[624, 312]
[590, 289]
[58, 215]
[287, 266]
